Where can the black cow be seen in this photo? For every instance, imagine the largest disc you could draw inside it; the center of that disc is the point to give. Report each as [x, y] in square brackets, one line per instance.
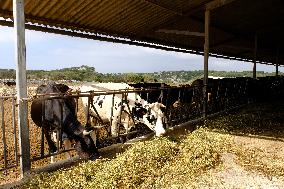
[52, 114]
[10, 83]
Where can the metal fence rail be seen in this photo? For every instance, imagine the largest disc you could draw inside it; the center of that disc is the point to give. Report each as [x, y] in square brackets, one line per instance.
[9, 141]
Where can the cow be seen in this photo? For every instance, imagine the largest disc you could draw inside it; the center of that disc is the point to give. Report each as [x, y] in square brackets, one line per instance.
[60, 114]
[10, 83]
[127, 109]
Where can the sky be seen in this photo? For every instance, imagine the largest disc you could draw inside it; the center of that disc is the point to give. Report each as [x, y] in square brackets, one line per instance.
[47, 51]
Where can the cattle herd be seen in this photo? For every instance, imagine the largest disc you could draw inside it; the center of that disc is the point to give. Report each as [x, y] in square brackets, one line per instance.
[123, 111]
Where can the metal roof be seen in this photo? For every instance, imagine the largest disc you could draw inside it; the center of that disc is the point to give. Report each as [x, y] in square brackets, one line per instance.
[166, 24]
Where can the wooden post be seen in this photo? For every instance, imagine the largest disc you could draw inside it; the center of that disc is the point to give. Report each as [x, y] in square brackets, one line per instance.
[277, 63]
[206, 57]
[255, 53]
[21, 85]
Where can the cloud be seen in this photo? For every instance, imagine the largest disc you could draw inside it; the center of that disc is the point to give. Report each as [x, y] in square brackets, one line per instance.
[187, 56]
[99, 49]
[7, 36]
[178, 55]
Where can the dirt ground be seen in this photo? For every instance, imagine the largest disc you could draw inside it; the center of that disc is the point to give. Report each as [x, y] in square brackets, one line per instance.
[231, 174]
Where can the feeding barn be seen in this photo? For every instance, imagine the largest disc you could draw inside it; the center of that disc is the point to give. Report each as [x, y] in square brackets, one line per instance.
[249, 31]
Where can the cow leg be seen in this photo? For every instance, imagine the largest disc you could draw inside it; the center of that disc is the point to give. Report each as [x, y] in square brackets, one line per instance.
[127, 123]
[114, 127]
[51, 145]
[115, 121]
[54, 138]
[67, 145]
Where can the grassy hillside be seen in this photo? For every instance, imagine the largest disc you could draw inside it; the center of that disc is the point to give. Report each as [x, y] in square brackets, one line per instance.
[86, 73]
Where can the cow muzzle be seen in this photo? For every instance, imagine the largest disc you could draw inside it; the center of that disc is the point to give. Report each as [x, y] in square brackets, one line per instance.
[86, 132]
[159, 128]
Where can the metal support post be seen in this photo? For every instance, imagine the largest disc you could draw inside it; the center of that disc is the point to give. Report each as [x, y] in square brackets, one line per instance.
[21, 85]
[206, 57]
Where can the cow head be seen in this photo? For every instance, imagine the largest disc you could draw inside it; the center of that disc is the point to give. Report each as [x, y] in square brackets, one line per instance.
[86, 146]
[152, 115]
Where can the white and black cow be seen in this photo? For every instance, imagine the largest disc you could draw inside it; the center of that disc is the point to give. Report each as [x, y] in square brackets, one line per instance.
[52, 114]
[150, 114]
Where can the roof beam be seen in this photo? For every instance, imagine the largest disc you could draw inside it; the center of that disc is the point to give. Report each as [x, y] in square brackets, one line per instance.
[163, 7]
[156, 45]
[179, 32]
[187, 14]
[222, 42]
[94, 36]
[175, 18]
[37, 20]
[220, 28]
[217, 3]
[238, 47]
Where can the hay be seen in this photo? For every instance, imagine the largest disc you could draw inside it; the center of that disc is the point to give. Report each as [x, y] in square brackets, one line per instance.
[177, 162]
[158, 163]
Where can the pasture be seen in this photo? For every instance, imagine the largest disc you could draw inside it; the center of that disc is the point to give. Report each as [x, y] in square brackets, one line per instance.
[237, 150]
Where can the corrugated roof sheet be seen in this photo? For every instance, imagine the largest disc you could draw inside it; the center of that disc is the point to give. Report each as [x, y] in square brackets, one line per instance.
[146, 22]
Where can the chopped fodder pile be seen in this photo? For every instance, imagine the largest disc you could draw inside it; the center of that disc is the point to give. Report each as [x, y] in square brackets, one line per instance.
[159, 163]
[198, 152]
[253, 136]
[265, 119]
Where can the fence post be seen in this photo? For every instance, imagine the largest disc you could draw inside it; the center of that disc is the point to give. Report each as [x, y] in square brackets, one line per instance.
[21, 85]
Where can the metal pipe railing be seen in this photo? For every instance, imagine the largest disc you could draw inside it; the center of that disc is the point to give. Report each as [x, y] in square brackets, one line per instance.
[3, 133]
[224, 96]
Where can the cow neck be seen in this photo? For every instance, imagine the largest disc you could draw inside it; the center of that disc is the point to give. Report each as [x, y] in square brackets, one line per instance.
[72, 123]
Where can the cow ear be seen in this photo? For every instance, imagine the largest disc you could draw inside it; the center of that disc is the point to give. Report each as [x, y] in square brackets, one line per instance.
[151, 105]
[162, 105]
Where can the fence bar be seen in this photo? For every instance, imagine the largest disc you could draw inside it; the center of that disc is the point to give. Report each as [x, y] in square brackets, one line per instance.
[15, 130]
[277, 62]
[94, 93]
[120, 114]
[255, 54]
[112, 104]
[42, 132]
[8, 167]
[42, 143]
[59, 131]
[3, 134]
[88, 122]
